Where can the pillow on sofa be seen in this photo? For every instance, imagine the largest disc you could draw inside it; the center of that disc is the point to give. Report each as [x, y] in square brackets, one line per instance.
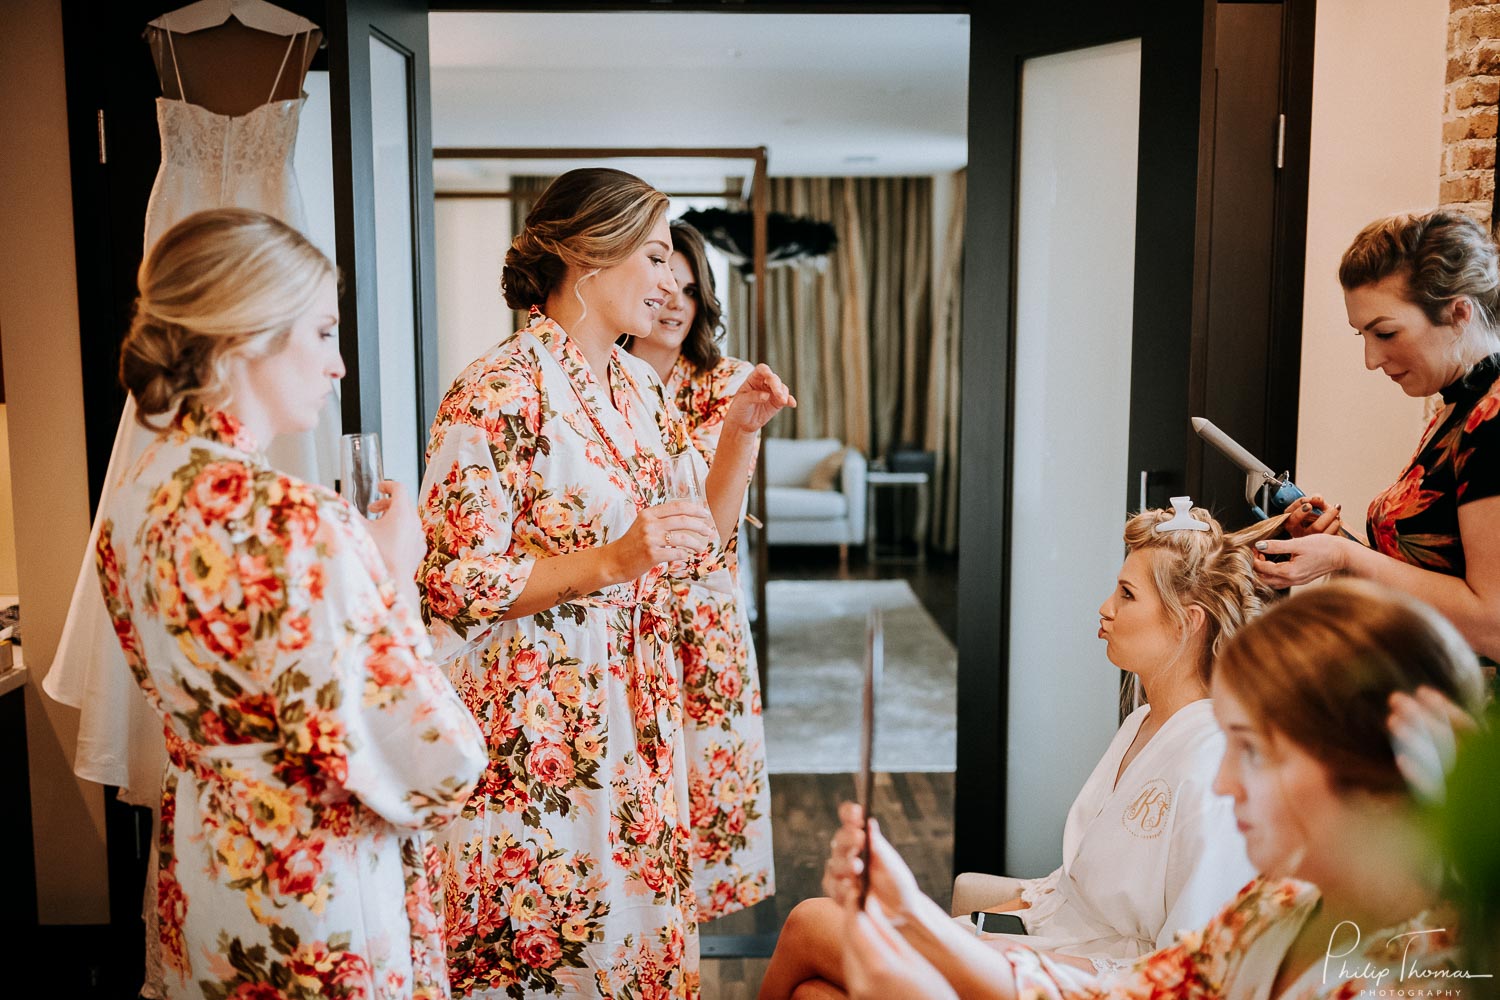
[825, 475]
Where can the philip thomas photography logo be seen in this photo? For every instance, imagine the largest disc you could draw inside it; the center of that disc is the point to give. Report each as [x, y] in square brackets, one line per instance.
[1423, 970]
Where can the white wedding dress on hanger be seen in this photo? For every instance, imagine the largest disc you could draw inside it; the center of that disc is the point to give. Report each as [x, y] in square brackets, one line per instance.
[208, 160]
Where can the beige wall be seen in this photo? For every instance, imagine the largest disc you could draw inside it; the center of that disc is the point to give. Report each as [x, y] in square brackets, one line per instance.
[44, 399]
[7, 512]
[1376, 146]
[472, 237]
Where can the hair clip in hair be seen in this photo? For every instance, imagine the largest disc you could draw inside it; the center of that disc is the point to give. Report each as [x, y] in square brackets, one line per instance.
[1182, 517]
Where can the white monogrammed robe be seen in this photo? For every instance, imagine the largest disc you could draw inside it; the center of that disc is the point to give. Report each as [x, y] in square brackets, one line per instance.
[1142, 859]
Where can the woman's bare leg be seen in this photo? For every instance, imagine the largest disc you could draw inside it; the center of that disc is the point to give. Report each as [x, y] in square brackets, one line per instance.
[819, 989]
[809, 948]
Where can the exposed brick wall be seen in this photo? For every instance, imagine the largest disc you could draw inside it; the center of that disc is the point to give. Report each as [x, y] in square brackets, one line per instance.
[1470, 107]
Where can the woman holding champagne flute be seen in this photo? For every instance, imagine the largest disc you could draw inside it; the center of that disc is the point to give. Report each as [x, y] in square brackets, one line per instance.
[550, 528]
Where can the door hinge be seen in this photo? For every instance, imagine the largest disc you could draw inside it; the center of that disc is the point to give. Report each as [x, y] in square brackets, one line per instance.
[1280, 141]
[103, 157]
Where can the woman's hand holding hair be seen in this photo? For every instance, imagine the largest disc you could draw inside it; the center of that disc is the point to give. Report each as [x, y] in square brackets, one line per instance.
[879, 963]
[1312, 557]
[1302, 519]
[1425, 728]
[677, 529]
[397, 532]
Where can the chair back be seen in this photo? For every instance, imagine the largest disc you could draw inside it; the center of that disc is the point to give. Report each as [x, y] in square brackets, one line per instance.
[791, 462]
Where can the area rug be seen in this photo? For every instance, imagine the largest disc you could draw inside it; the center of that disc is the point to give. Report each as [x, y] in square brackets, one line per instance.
[817, 633]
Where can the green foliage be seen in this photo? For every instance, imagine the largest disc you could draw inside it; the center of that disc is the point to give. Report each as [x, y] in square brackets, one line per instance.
[1468, 829]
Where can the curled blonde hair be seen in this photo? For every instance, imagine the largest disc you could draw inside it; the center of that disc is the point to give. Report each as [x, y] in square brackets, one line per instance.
[590, 219]
[1212, 569]
[220, 284]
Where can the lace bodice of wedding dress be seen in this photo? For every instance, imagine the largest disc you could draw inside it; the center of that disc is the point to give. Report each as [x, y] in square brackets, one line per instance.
[210, 160]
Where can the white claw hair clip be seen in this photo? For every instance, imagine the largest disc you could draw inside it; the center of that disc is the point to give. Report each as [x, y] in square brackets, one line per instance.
[1182, 517]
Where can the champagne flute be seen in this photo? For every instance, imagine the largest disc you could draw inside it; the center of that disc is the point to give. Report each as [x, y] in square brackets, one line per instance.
[685, 478]
[360, 471]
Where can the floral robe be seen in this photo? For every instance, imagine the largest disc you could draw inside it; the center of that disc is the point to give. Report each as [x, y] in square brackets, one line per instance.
[570, 870]
[1416, 518]
[728, 793]
[310, 740]
[1238, 954]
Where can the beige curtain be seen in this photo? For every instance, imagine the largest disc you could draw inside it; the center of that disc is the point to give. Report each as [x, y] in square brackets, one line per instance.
[941, 422]
[855, 337]
[524, 190]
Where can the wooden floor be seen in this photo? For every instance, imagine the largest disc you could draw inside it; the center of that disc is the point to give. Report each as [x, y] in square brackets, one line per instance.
[916, 813]
[915, 810]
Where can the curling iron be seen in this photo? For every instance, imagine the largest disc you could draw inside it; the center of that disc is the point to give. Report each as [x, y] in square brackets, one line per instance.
[1264, 489]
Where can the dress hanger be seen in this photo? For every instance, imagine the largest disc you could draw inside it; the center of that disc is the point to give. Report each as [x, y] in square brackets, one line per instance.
[257, 14]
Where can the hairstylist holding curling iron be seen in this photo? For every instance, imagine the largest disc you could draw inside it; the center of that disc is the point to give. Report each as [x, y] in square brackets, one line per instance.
[1422, 292]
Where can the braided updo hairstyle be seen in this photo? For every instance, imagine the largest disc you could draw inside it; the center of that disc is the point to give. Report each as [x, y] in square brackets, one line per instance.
[1445, 256]
[219, 284]
[589, 219]
[1212, 569]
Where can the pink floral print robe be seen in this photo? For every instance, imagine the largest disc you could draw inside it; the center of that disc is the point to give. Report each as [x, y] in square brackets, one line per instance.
[569, 872]
[311, 741]
[1238, 954]
[729, 796]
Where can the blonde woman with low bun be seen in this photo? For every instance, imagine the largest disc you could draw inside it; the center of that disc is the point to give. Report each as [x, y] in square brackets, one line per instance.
[554, 530]
[312, 743]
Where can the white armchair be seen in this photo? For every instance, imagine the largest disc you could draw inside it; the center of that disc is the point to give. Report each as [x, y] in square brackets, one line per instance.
[799, 514]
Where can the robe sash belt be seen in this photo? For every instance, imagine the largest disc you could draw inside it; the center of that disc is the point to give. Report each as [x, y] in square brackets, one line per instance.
[651, 680]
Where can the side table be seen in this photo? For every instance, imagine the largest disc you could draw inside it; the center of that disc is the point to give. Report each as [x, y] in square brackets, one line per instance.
[919, 481]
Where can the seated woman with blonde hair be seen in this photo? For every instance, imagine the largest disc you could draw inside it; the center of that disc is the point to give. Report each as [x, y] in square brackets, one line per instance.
[1349, 898]
[1148, 848]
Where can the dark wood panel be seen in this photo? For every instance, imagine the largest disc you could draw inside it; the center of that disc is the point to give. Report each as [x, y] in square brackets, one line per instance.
[1231, 369]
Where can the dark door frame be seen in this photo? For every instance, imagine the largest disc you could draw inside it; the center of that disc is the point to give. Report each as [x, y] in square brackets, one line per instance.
[1289, 247]
[402, 25]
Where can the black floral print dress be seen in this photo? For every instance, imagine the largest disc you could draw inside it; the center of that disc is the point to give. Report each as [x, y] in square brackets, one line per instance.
[1458, 462]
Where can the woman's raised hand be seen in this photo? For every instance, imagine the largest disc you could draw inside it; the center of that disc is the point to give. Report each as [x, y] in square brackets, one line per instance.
[1309, 558]
[677, 529]
[1302, 517]
[760, 398]
[398, 531]
[891, 881]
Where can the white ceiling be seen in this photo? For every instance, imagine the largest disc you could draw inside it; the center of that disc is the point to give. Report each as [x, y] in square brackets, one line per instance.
[827, 94]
